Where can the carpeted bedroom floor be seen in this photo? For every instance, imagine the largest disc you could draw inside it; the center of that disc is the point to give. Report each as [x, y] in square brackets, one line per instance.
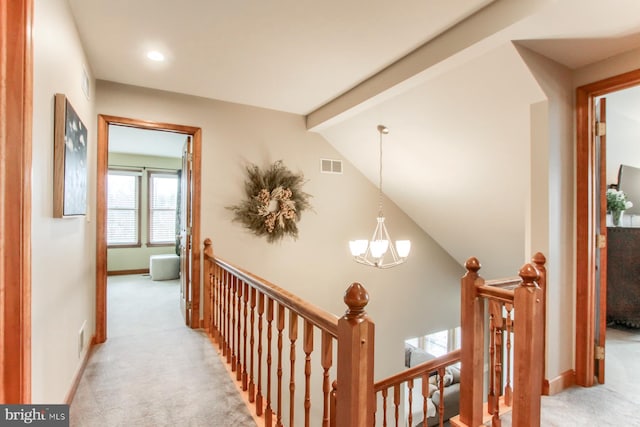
[153, 370]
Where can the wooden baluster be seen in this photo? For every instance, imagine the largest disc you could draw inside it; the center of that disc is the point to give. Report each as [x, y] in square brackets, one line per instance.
[528, 349]
[280, 327]
[472, 358]
[223, 312]
[252, 388]
[396, 403]
[491, 398]
[385, 394]
[495, 420]
[216, 324]
[410, 396]
[375, 407]
[216, 307]
[245, 303]
[539, 261]
[220, 284]
[334, 404]
[425, 397]
[238, 351]
[268, 418]
[212, 302]
[441, 401]
[327, 361]
[308, 349]
[208, 252]
[495, 351]
[293, 336]
[356, 334]
[234, 293]
[509, 325]
[260, 320]
[229, 311]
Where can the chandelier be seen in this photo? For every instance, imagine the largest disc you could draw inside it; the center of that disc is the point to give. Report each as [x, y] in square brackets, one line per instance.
[373, 252]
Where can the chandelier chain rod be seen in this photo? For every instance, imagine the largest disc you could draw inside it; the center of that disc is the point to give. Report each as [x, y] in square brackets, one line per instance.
[380, 214]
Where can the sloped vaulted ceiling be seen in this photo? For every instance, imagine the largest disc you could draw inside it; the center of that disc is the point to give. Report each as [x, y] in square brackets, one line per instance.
[456, 157]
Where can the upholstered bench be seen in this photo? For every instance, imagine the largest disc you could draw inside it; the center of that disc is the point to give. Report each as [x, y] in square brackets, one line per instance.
[164, 267]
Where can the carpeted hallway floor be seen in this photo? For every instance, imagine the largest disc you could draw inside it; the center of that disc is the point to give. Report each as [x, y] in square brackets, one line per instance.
[153, 370]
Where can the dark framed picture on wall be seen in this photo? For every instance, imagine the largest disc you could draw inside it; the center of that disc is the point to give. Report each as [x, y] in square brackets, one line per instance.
[69, 161]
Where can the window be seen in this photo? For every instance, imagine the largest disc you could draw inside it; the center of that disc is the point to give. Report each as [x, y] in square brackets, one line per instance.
[163, 201]
[438, 343]
[123, 208]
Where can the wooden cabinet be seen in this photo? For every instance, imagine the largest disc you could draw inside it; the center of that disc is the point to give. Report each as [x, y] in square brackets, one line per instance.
[623, 276]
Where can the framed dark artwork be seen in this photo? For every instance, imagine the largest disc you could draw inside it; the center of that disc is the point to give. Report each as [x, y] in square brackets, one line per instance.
[69, 161]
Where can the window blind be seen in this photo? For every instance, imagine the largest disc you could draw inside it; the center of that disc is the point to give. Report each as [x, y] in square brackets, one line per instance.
[123, 208]
[163, 201]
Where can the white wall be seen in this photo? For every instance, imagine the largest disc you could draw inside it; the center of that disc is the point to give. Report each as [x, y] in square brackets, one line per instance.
[414, 299]
[558, 190]
[63, 250]
[552, 217]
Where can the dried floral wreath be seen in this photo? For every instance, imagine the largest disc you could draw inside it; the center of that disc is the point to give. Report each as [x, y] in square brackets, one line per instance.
[274, 202]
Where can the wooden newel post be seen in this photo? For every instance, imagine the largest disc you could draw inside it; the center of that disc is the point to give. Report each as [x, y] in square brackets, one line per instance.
[528, 357]
[472, 357]
[355, 400]
[539, 262]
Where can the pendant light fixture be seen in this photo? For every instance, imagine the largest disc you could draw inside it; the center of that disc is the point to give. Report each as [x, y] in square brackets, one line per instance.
[374, 252]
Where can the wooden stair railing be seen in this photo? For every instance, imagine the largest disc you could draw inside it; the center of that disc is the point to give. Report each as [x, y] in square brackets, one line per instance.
[516, 320]
[242, 314]
[407, 379]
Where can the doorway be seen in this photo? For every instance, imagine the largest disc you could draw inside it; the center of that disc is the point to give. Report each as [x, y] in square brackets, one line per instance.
[591, 231]
[190, 265]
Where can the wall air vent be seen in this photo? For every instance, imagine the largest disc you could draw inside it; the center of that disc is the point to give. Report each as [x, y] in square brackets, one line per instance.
[330, 166]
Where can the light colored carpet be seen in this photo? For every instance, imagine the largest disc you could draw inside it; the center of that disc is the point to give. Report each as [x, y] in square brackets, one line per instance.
[153, 370]
[615, 403]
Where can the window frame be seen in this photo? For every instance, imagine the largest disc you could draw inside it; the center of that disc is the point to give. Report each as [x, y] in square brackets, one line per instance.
[137, 173]
[150, 174]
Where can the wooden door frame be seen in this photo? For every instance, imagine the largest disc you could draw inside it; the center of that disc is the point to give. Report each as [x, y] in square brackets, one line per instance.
[101, 213]
[16, 123]
[587, 201]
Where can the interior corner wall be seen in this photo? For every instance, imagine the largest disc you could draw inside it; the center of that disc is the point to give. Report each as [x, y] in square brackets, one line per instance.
[417, 298]
[553, 155]
[63, 250]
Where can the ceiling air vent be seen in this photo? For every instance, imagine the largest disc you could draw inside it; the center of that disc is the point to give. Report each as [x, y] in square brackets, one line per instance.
[330, 166]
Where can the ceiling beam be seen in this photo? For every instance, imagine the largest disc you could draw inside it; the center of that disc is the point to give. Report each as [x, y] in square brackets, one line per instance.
[493, 18]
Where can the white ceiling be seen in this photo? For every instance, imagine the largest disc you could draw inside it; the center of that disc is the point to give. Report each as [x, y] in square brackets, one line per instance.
[296, 55]
[289, 55]
[452, 123]
[125, 139]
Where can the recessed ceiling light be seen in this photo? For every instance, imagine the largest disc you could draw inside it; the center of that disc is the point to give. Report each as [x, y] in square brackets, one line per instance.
[154, 55]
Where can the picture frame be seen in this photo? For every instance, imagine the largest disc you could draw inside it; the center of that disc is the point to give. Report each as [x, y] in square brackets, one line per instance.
[69, 161]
